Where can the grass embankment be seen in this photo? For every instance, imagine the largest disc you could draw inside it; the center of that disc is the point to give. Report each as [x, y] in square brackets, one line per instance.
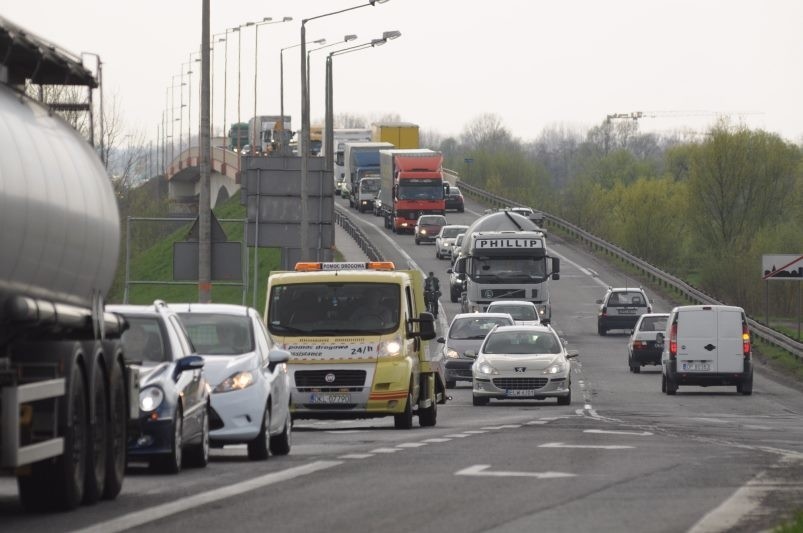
[153, 262]
[795, 525]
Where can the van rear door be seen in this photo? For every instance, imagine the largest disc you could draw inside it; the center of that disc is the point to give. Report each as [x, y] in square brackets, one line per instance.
[729, 340]
[697, 340]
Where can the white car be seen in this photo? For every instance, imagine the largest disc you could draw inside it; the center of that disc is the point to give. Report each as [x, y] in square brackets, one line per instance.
[446, 238]
[250, 400]
[522, 363]
[524, 313]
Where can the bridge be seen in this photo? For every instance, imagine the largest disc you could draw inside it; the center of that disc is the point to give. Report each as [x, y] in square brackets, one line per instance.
[183, 176]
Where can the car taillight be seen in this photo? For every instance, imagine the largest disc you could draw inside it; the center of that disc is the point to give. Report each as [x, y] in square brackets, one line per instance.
[673, 341]
[604, 312]
[745, 340]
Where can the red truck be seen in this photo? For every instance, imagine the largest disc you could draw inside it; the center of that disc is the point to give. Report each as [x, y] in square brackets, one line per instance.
[412, 185]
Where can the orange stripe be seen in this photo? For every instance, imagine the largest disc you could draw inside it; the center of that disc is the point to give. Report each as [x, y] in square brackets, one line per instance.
[387, 395]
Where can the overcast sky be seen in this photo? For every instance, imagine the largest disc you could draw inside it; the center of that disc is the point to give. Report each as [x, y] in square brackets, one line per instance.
[534, 63]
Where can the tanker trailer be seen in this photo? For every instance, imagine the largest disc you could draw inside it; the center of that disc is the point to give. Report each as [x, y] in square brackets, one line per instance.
[66, 393]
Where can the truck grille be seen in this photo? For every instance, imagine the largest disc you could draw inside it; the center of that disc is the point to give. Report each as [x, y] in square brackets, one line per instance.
[520, 383]
[338, 379]
[504, 293]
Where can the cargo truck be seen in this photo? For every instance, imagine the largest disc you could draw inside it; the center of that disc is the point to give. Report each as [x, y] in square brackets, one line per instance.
[357, 334]
[412, 185]
[402, 135]
[504, 256]
[361, 160]
[340, 136]
[66, 392]
[266, 133]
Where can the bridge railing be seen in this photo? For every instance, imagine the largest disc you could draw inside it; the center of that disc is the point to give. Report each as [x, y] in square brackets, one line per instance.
[654, 273]
[358, 235]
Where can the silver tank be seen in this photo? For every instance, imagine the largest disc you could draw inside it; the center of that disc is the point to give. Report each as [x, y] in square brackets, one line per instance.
[498, 221]
[59, 224]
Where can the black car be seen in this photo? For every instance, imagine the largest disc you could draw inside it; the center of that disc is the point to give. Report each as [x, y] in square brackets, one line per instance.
[457, 284]
[173, 424]
[454, 200]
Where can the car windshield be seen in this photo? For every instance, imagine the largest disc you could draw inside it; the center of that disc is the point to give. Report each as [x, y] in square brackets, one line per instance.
[370, 185]
[653, 323]
[522, 342]
[143, 340]
[474, 328]
[518, 312]
[454, 191]
[431, 221]
[219, 334]
[329, 309]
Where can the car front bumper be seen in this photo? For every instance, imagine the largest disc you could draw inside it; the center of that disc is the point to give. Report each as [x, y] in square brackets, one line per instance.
[240, 412]
[519, 387]
[459, 369]
[148, 437]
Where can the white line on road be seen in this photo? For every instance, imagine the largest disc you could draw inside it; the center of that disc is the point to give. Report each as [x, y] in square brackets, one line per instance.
[356, 456]
[437, 439]
[482, 470]
[505, 426]
[586, 446]
[458, 435]
[616, 432]
[475, 431]
[146, 516]
[385, 450]
[411, 444]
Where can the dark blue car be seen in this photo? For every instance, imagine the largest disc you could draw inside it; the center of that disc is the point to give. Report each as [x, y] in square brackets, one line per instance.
[173, 425]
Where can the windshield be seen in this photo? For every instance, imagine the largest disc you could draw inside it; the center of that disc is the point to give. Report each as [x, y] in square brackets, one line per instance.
[329, 309]
[518, 312]
[508, 269]
[421, 190]
[474, 328]
[521, 343]
[367, 185]
[219, 334]
[143, 340]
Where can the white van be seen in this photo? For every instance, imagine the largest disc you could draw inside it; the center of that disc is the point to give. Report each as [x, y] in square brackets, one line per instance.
[706, 345]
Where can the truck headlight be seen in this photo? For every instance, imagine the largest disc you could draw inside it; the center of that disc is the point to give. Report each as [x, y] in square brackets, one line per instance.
[237, 381]
[390, 348]
[150, 399]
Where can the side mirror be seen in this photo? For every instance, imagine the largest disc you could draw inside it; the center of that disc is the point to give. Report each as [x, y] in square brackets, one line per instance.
[571, 354]
[277, 357]
[190, 362]
[599, 302]
[471, 354]
[555, 268]
[426, 327]
[441, 340]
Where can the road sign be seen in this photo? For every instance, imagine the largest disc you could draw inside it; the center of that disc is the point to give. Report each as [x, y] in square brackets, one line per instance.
[782, 267]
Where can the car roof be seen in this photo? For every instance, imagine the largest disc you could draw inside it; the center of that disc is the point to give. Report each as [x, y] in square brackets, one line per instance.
[539, 328]
[625, 289]
[219, 309]
[659, 315]
[482, 315]
[524, 303]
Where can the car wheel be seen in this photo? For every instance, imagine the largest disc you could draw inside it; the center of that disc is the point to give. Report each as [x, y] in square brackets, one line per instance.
[635, 369]
[405, 420]
[258, 448]
[565, 400]
[450, 384]
[417, 241]
[198, 454]
[453, 297]
[437, 254]
[601, 331]
[479, 400]
[280, 444]
[663, 383]
[172, 462]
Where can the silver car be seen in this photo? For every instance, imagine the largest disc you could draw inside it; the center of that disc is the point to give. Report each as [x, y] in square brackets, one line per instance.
[524, 313]
[520, 363]
[466, 333]
[250, 400]
[445, 240]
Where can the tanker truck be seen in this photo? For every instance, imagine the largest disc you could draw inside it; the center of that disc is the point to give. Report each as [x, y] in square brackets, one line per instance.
[66, 393]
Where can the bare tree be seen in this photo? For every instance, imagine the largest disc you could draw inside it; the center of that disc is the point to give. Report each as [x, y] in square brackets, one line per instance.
[349, 120]
[485, 130]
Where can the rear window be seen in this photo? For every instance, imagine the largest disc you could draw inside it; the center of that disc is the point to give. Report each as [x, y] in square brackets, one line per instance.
[452, 232]
[518, 312]
[144, 340]
[626, 299]
[653, 323]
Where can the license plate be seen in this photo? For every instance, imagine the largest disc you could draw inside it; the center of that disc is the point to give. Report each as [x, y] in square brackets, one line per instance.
[520, 393]
[696, 367]
[330, 398]
[627, 311]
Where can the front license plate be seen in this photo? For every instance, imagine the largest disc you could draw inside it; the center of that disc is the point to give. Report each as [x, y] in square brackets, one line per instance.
[696, 367]
[330, 398]
[520, 393]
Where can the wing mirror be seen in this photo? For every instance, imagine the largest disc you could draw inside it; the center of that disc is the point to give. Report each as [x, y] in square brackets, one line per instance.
[277, 357]
[471, 354]
[190, 362]
[571, 354]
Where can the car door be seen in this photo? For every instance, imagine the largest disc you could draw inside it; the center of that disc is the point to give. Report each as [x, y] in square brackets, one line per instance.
[697, 341]
[730, 350]
[190, 383]
[277, 378]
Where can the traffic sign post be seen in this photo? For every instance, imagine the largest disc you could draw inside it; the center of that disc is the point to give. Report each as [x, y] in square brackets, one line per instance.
[782, 267]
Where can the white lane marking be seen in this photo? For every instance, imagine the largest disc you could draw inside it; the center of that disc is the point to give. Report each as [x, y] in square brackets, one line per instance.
[504, 426]
[537, 422]
[586, 446]
[385, 450]
[714, 420]
[482, 470]
[356, 456]
[745, 500]
[458, 435]
[345, 431]
[146, 516]
[593, 275]
[437, 439]
[475, 431]
[617, 432]
[411, 444]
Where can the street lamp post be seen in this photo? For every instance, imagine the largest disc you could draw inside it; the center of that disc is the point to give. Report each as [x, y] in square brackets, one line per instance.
[226, 76]
[173, 118]
[329, 121]
[304, 145]
[239, 63]
[282, 146]
[267, 20]
[346, 38]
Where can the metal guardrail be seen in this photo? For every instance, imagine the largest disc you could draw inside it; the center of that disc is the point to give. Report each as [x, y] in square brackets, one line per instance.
[767, 334]
[358, 235]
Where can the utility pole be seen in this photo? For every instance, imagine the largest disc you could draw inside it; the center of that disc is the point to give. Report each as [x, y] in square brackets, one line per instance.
[204, 203]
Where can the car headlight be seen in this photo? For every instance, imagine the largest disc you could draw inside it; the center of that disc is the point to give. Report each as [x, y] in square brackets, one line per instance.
[237, 381]
[423, 232]
[452, 354]
[390, 348]
[150, 399]
[485, 367]
[555, 369]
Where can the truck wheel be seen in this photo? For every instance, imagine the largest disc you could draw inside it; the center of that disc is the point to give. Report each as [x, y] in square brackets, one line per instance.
[405, 419]
[118, 412]
[671, 386]
[746, 386]
[258, 448]
[98, 450]
[428, 417]
[62, 478]
[280, 444]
